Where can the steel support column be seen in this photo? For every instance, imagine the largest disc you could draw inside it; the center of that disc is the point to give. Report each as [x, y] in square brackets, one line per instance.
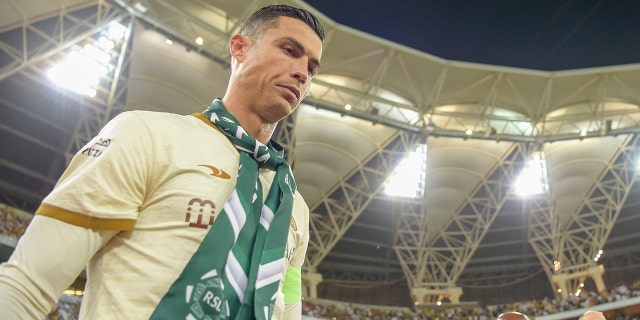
[584, 234]
[432, 266]
[343, 204]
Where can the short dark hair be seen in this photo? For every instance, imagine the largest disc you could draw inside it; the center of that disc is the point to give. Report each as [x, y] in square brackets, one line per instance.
[268, 17]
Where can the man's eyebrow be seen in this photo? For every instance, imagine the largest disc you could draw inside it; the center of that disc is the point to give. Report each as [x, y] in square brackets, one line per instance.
[301, 48]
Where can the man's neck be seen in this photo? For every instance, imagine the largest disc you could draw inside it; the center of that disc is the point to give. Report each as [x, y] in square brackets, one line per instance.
[251, 122]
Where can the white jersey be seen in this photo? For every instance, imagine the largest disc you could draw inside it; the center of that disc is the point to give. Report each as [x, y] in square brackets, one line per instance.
[159, 180]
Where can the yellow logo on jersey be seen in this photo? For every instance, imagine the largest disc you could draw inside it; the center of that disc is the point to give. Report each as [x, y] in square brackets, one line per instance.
[216, 172]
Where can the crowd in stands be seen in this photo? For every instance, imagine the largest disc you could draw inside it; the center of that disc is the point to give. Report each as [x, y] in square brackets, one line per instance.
[323, 309]
[12, 224]
[326, 309]
[572, 302]
[67, 308]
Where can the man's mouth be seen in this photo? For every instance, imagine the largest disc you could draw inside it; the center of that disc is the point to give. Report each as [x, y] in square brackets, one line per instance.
[293, 90]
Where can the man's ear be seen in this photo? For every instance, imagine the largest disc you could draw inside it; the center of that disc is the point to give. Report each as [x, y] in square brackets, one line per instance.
[239, 46]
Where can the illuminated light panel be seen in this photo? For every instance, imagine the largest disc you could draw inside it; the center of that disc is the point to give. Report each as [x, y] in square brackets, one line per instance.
[81, 70]
[408, 179]
[533, 178]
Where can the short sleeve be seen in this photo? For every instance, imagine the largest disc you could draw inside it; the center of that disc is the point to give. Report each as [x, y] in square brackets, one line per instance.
[301, 220]
[106, 181]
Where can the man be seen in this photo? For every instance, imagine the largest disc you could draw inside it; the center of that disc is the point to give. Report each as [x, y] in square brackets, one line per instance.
[183, 217]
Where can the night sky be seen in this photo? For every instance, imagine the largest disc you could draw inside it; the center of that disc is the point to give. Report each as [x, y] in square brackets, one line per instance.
[535, 34]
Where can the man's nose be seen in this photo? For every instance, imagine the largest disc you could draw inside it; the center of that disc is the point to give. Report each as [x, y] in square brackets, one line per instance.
[301, 73]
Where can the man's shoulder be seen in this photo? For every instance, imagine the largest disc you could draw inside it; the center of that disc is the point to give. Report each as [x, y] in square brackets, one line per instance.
[154, 118]
[147, 114]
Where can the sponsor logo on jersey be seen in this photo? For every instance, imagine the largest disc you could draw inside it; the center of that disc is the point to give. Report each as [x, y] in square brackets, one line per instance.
[216, 172]
[96, 148]
[200, 213]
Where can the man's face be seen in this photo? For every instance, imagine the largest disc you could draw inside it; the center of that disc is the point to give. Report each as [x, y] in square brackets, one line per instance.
[276, 72]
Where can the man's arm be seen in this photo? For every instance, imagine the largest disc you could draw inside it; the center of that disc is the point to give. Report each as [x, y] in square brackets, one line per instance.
[100, 191]
[48, 258]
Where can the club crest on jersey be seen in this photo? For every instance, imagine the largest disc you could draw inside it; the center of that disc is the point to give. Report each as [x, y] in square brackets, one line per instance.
[206, 299]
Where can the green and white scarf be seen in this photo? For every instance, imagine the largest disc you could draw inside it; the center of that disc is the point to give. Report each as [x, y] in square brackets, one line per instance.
[235, 273]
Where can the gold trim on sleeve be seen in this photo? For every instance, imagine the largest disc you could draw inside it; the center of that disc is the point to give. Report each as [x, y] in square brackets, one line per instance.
[85, 221]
